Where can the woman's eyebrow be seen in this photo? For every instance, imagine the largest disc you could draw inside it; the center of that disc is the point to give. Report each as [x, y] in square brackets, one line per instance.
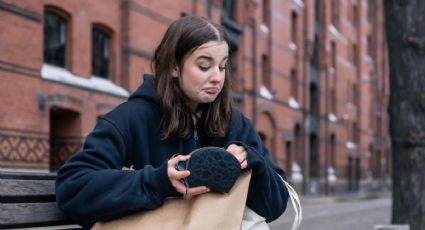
[209, 58]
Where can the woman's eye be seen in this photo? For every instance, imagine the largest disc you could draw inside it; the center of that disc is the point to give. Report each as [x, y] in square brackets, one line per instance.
[204, 68]
[222, 68]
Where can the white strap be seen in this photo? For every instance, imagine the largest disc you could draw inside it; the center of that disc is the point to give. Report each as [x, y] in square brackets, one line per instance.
[295, 200]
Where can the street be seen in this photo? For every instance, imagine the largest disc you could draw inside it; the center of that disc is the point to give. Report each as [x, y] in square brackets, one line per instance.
[335, 214]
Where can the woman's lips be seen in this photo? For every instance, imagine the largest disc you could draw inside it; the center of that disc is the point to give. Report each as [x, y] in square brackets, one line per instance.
[212, 90]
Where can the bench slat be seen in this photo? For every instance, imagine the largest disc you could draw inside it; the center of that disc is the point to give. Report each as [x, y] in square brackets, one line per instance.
[11, 187]
[27, 201]
[27, 175]
[31, 214]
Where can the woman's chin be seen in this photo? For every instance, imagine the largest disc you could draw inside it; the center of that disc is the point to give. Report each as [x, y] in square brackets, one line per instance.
[208, 100]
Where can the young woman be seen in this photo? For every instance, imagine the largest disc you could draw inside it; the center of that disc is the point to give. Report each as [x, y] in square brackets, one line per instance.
[186, 105]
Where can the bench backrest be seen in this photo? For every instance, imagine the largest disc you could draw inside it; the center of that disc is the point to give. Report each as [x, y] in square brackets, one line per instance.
[28, 200]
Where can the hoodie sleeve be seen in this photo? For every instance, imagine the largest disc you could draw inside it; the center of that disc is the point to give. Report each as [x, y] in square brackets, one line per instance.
[92, 186]
[267, 194]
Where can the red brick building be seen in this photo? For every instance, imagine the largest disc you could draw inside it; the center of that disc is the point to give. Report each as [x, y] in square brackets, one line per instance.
[312, 75]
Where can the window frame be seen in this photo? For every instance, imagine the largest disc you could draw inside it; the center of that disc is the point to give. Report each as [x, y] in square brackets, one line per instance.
[106, 32]
[66, 17]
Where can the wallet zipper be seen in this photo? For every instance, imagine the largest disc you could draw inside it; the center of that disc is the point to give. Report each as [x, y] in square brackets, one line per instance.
[195, 137]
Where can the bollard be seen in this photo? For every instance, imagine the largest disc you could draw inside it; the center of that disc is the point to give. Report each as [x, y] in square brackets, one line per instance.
[392, 227]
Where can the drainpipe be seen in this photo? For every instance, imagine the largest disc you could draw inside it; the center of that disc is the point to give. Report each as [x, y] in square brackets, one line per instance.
[326, 129]
[304, 104]
[254, 72]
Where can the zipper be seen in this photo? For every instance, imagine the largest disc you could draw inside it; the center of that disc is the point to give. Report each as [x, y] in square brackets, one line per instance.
[195, 139]
[195, 132]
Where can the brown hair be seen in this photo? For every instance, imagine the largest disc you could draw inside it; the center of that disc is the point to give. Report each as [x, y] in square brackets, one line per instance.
[180, 40]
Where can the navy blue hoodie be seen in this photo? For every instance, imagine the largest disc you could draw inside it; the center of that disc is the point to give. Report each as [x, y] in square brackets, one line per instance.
[92, 186]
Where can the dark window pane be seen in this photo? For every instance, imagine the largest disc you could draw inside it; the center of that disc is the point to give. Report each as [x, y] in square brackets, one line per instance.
[294, 29]
[228, 9]
[294, 84]
[100, 54]
[266, 12]
[266, 71]
[54, 39]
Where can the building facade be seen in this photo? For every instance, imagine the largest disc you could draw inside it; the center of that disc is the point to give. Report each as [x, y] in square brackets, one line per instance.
[312, 75]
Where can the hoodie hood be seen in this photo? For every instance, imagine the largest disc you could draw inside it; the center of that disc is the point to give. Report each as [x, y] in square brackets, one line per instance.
[147, 90]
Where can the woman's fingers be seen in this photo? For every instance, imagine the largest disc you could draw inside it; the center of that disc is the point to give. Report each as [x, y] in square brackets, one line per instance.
[231, 148]
[244, 164]
[197, 190]
[176, 174]
[181, 188]
[172, 172]
[240, 153]
[175, 160]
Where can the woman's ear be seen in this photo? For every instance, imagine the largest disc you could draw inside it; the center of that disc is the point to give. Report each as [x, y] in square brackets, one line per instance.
[175, 72]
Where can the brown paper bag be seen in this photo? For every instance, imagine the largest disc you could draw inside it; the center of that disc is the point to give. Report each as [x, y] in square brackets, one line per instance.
[208, 211]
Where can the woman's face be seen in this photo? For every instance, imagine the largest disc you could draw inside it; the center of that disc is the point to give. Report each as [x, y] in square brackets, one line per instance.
[203, 73]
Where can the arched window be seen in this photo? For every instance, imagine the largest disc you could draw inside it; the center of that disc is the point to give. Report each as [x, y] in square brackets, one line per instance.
[101, 51]
[55, 36]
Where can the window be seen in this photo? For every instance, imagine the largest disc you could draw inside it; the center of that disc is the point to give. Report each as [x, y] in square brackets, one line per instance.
[266, 71]
[55, 36]
[355, 15]
[355, 55]
[294, 84]
[372, 91]
[369, 45]
[354, 132]
[333, 151]
[294, 22]
[334, 16]
[100, 53]
[314, 101]
[333, 56]
[317, 10]
[228, 9]
[333, 101]
[315, 57]
[266, 12]
[289, 158]
[356, 95]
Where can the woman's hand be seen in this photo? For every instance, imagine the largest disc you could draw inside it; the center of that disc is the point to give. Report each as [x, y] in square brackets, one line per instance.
[176, 176]
[240, 153]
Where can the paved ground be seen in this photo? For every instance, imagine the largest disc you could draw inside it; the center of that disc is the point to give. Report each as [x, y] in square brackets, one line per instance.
[333, 213]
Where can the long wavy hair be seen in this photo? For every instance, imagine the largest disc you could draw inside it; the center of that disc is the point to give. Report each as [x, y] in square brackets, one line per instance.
[180, 40]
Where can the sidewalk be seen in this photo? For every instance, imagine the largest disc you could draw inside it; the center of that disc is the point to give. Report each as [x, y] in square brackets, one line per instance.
[351, 211]
[344, 197]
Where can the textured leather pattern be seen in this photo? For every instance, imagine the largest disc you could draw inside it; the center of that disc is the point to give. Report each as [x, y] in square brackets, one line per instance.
[212, 167]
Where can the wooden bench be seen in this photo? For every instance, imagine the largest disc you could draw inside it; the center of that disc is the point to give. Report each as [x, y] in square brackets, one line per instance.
[27, 201]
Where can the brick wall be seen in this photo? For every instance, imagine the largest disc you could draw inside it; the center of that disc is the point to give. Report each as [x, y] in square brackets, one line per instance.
[277, 78]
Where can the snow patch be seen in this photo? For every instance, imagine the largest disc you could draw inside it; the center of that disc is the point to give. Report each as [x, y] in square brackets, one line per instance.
[54, 73]
[264, 92]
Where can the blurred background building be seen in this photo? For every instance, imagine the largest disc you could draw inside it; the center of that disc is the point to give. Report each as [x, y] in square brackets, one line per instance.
[312, 75]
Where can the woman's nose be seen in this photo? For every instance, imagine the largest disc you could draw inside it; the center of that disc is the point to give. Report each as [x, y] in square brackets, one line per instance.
[216, 75]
